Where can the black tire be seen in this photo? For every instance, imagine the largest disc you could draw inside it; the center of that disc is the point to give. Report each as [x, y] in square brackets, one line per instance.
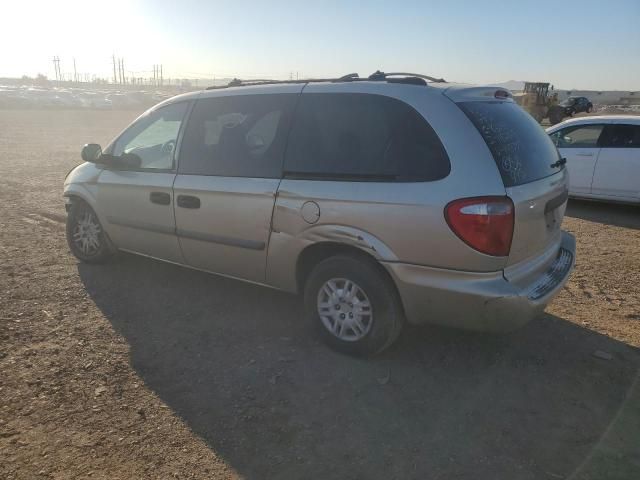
[555, 115]
[99, 253]
[387, 317]
[589, 108]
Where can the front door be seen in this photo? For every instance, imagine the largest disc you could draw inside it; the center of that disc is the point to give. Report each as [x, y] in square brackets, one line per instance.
[579, 145]
[136, 200]
[230, 166]
[617, 173]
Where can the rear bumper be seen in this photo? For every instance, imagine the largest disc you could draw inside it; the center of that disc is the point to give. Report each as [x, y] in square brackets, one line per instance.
[481, 301]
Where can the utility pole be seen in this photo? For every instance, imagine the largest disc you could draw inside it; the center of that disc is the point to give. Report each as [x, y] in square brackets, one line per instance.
[115, 78]
[161, 77]
[75, 73]
[56, 67]
[122, 76]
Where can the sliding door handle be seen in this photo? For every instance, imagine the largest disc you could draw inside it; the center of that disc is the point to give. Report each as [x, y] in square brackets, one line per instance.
[188, 201]
[161, 198]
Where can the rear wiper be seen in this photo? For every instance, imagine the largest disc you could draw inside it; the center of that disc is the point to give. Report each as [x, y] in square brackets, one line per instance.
[559, 163]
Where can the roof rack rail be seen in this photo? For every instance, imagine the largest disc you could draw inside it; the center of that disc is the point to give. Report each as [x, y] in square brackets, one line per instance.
[413, 78]
[378, 75]
[236, 82]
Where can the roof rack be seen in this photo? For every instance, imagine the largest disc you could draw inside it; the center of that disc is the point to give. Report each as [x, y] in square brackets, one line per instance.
[409, 78]
[378, 75]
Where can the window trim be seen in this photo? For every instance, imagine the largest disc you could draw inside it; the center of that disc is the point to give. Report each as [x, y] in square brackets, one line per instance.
[189, 104]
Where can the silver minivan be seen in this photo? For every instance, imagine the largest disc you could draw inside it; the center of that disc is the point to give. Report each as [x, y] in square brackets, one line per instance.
[382, 199]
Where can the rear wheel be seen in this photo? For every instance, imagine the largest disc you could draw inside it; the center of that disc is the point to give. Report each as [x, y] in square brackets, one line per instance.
[589, 108]
[85, 236]
[353, 306]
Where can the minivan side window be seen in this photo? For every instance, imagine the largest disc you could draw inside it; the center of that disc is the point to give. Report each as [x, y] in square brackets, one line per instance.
[362, 137]
[237, 136]
[582, 136]
[152, 139]
[620, 136]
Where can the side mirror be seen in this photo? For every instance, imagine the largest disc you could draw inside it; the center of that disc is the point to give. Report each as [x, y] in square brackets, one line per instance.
[91, 152]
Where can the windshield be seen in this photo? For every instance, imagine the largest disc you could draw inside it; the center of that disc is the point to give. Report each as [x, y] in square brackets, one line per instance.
[521, 149]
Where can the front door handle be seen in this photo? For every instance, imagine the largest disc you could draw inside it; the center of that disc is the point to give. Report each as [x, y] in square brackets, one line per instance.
[188, 201]
[161, 198]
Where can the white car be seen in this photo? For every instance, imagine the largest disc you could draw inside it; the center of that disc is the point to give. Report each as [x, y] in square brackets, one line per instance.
[603, 156]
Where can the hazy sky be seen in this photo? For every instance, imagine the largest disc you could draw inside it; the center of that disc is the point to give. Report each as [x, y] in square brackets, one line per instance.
[589, 44]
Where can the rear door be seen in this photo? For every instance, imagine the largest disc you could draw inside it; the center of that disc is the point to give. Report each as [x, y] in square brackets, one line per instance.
[617, 172]
[526, 159]
[579, 145]
[229, 170]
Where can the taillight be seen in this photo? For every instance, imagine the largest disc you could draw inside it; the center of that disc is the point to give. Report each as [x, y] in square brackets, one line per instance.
[483, 223]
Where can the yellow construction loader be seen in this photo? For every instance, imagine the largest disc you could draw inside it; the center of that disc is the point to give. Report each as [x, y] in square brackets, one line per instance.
[537, 101]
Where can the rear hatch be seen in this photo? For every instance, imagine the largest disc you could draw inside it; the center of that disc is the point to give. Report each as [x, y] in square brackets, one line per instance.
[526, 159]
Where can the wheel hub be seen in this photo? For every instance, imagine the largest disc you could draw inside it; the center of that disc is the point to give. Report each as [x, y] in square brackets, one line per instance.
[345, 309]
[86, 234]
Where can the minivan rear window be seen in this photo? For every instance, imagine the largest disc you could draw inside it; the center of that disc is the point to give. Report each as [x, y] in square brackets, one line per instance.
[521, 149]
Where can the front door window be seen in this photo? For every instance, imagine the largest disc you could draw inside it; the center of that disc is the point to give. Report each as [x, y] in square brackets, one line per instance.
[151, 141]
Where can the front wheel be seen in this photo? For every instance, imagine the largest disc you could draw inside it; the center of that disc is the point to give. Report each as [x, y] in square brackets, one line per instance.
[555, 115]
[353, 305]
[589, 108]
[85, 236]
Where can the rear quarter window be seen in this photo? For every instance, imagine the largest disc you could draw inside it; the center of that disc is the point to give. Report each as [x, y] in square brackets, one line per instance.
[522, 150]
[362, 137]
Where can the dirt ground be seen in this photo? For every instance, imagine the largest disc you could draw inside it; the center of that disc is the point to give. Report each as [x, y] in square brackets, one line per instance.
[139, 369]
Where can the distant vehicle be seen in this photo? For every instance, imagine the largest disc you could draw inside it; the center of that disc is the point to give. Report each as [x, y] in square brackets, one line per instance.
[536, 100]
[378, 199]
[64, 98]
[603, 156]
[94, 100]
[573, 105]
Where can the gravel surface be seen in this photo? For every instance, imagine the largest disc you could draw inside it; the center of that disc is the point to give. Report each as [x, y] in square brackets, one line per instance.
[139, 369]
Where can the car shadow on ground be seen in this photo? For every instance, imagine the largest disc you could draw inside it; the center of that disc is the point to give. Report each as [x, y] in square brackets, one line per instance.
[237, 363]
[620, 215]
